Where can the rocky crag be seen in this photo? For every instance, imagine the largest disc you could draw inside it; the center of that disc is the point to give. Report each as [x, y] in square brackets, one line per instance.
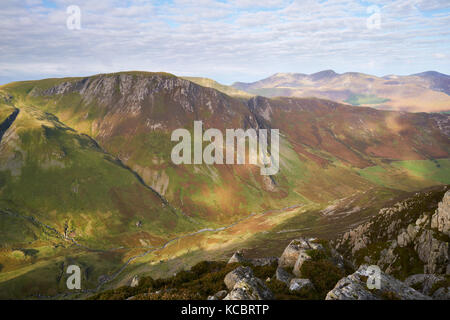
[400, 254]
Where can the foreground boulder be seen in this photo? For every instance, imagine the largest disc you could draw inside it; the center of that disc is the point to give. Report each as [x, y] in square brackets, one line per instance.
[250, 289]
[423, 282]
[219, 295]
[302, 257]
[354, 287]
[238, 257]
[283, 276]
[245, 286]
[237, 275]
[300, 285]
[296, 248]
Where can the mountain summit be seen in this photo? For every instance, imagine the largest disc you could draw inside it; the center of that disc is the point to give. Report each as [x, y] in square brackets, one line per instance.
[422, 92]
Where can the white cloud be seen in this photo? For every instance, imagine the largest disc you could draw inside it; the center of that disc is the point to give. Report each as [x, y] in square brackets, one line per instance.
[232, 40]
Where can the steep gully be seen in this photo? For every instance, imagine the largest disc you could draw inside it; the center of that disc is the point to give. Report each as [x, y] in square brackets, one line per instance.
[6, 124]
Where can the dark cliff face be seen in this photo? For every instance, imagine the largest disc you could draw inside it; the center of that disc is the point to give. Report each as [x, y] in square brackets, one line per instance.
[152, 101]
[6, 124]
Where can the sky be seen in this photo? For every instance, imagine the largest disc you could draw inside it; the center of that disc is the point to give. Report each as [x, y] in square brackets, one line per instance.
[235, 40]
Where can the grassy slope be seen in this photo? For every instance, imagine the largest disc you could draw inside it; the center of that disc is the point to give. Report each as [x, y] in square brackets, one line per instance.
[361, 99]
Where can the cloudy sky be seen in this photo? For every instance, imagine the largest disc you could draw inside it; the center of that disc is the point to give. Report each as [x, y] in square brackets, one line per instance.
[227, 40]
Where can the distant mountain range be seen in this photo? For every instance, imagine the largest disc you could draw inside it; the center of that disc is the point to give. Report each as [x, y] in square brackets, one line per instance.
[422, 92]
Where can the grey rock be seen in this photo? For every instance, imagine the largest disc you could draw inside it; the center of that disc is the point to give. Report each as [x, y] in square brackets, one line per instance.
[237, 275]
[237, 257]
[264, 261]
[293, 250]
[300, 284]
[407, 236]
[250, 289]
[134, 282]
[441, 219]
[442, 294]
[433, 253]
[424, 281]
[219, 295]
[302, 257]
[354, 287]
[283, 276]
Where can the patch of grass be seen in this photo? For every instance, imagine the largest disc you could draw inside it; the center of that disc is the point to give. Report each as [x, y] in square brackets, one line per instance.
[361, 99]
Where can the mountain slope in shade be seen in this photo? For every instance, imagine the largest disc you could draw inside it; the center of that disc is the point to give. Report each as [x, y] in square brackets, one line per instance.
[424, 92]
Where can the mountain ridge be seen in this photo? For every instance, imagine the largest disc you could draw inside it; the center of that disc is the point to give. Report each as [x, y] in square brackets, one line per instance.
[423, 92]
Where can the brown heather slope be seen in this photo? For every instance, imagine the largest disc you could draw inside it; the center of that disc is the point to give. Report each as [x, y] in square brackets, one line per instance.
[354, 135]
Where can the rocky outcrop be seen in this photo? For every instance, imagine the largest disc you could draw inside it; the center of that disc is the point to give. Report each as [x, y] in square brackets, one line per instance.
[237, 275]
[413, 232]
[296, 249]
[250, 289]
[354, 287]
[300, 284]
[238, 257]
[302, 257]
[441, 219]
[283, 276]
[264, 261]
[442, 294]
[243, 285]
[134, 282]
[433, 252]
[423, 282]
[219, 295]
